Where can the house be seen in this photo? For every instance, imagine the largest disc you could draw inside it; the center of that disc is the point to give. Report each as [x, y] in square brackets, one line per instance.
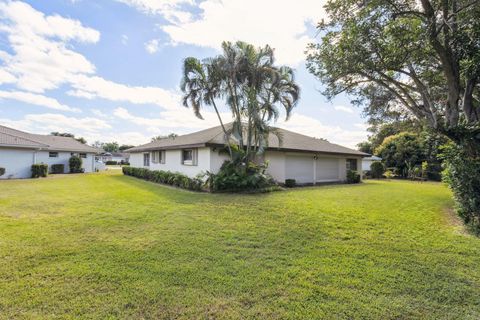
[119, 157]
[307, 160]
[19, 150]
[367, 162]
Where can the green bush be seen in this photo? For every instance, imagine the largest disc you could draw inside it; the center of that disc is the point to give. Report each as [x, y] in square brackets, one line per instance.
[389, 174]
[377, 169]
[57, 168]
[166, 177]
[2, 171]
[111, 163]
[39, 170]
[462, 174]
[290, 183]
[75, 164]
[353, 176]
[237, 176]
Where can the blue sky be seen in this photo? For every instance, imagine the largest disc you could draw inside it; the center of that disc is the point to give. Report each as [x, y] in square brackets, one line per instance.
[109, 70]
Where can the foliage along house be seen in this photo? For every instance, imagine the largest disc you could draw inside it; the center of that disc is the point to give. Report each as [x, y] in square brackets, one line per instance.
[19, 150]
[307, 160]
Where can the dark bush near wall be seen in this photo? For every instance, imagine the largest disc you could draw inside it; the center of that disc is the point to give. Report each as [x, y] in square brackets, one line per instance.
[39, 170]
[2, 171]
[111, 163]
[234, 176]
[75, 164]
[462, 174]
[57, 168]
[166, 177]
[377, 169]
[353, 176]
[290, 183]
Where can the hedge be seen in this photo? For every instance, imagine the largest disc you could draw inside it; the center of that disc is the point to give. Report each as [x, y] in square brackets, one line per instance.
[377, 169]
[166, 177]
[111, 163]
[2, 171]
[75, 164]
[353, 176]
[39, 170]
[57, 168]
[290, 183]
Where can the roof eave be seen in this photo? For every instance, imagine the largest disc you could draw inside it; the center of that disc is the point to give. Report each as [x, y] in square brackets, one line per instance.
[174, 147]
[300, 150]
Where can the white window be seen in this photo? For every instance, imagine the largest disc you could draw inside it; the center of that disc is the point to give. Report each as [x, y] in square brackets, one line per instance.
[146, 159]
[158, 156]
[53, 154]
[189, 157]
[352, 164]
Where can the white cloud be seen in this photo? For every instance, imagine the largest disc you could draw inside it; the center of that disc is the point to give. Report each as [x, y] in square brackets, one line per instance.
[93, 87]
[151, 46]
[36, 99]
[41, 58]
[281, 24]
[175, 120]
[49, 122]
[344, 109]
[314, 128]
[170, 9]
[124, 39]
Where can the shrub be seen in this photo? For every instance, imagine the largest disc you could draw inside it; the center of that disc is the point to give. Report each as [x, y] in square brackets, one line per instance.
[377, 169]
[389, 174]
[2, 171]
[238, 176]
[39, 170]
[57, 168]
[353, 176]
[111, 163]
[75, 164]
[290, 183]
[462, 174]
[166, 177]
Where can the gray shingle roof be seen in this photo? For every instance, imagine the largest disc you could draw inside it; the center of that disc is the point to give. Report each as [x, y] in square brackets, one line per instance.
[292, 141]
[16, 138]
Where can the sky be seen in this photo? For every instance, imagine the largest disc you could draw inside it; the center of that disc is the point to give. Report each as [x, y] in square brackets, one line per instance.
[110, 70]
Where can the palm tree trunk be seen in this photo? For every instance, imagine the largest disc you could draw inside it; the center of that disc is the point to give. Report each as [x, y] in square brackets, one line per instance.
[223, 128]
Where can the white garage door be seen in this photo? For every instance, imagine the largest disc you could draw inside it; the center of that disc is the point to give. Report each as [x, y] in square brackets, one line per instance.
[299, 168]
[17, 163]
[327, 169]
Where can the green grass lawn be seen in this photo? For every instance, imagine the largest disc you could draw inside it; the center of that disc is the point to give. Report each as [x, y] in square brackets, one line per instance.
[110, 246]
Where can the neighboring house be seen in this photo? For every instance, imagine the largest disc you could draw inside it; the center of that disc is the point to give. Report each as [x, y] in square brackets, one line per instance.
[122, 157]
[19, 150]
[367, 162]
[307, 160]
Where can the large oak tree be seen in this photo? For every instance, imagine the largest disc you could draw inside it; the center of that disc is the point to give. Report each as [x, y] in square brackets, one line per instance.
[419, 58]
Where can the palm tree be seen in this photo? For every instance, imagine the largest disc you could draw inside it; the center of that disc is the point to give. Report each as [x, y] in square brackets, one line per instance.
[201, 86]
[251, 85]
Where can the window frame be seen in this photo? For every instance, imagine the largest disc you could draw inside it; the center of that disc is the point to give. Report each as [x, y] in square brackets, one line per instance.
[158, 156]
[146, 159]
[194, 157]
[53, 152]
[82, 155]
[349, 164]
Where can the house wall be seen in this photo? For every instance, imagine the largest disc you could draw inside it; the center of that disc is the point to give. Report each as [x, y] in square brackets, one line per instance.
[17, 163]
[302, 167]
[63, 158]
[276, 165]
[366, 163]
[173, 162]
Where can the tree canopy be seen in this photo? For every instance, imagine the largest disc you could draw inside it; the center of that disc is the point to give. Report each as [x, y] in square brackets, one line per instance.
[410, 59]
